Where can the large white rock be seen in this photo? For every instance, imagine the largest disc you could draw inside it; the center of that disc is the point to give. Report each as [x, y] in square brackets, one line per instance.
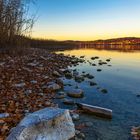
[46, 124]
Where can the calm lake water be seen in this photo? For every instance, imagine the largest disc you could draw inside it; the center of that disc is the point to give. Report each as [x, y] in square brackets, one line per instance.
[122, 80]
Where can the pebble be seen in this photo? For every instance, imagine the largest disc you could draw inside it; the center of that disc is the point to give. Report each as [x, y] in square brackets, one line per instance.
[4, 115]
[57, 74]
[20, 85]
[75, 117]
[33, 82]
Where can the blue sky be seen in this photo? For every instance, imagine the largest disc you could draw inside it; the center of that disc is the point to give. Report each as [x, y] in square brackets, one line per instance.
[86, 19]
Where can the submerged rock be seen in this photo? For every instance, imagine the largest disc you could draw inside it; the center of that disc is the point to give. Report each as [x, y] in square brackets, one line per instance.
[138, 95]
[93, 83]
[68, 75]
[99, 70]
[60, 95]
[104, 91]
[46, 124]
[68, 101]
[89, 76]
[95, 110]
[76, 93]
[79, 79]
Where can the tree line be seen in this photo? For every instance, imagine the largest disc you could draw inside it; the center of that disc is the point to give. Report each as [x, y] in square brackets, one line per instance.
[14, 22]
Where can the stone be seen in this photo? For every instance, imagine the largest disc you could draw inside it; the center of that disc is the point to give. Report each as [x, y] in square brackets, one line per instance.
[54, 86]
[57, 74]
[81, 135]
[93, 83]
[82, 56]
[75, 117]
[60, 96]
[77, 132]
[99, 70]
[88, 124]
[108, 60]
[47, 103]
[32, 64]
[93, 58]
[76, 93]
[46, 124]
[89, 76]
[41, 94]
[104, 91]
[93, 64]
[138, 95]
[33, 82]
[68, 101]
[79, 79]
[20, 85]
[4, 115]
[68, 75]
[95, 110]
[27, 92]
[65, 70]
[75, 73]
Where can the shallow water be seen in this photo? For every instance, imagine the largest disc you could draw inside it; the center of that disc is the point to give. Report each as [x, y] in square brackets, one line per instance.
[122, 80]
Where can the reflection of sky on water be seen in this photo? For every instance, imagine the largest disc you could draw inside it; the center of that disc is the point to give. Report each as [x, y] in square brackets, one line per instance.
[122, 80]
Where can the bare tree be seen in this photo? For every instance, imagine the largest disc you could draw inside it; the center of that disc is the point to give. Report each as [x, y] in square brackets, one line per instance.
[14, 21]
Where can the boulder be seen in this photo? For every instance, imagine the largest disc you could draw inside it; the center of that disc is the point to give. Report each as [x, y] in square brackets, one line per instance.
[46, 124]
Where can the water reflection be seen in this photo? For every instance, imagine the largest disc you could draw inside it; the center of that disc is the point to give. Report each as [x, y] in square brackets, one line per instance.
[122, 81]
[117, 47]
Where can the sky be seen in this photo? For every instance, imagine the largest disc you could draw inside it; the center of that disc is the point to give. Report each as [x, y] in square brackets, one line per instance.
[86, 19]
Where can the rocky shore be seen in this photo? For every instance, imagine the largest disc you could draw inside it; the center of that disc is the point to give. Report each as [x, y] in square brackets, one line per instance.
[28, 83]
[32, 81]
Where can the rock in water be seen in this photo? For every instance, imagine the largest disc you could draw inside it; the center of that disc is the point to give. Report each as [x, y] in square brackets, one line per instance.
[76, 93]
[95, 110]
[46, 124]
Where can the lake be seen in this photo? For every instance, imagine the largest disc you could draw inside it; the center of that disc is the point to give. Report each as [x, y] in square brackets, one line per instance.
[121, 77]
